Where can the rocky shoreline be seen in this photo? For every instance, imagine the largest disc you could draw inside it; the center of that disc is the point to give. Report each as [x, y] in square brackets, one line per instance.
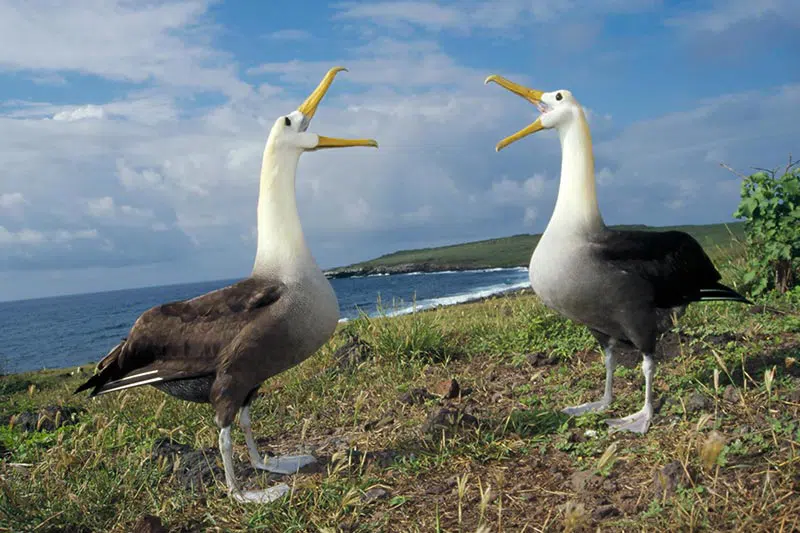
[404, 268]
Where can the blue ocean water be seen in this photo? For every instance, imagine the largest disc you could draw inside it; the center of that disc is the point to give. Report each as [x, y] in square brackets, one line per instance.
[67, 331]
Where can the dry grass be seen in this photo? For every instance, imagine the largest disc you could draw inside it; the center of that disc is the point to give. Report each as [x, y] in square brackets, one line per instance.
[728, 426]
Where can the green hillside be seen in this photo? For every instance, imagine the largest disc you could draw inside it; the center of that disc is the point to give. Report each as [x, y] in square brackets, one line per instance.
[508, 251]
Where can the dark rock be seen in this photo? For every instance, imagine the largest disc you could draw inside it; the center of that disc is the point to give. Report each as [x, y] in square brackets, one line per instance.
[721, 339]
[47, 419]
[541, 359]
[583, 481]
[149, 524]
[416, 397]
[576, 435]
[194, 469]
[447, 389]
[667, 479]
[353, 352]
[629, 505]
[698, 402]
[731, 394]
[605, 511]
[448, 421]
[374, 494]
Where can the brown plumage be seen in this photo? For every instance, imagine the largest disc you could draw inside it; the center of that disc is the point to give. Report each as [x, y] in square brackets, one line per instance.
[191, 349]
[219, 347]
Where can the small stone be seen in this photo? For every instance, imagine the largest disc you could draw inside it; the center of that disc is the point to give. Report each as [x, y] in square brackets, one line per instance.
[584, 480]
[666, 480]
[698, 402]
[496, 397]
[605, 511]
[731, 394]
[447, 420]
[47, 419]
[374, 494]
[415, 397]
[576, 436]
[794, 396]
[447, 389]
[541, 359]
[148, 523]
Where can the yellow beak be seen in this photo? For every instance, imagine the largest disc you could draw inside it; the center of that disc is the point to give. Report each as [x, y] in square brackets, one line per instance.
[309, 107]
[531, 95]
[333, 142]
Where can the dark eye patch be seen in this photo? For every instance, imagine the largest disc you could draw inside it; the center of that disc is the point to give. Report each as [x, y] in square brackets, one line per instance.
[287, 121]
[559, 97]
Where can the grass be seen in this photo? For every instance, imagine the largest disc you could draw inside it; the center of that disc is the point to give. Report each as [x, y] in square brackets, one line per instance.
[516, 250]
[523, 467]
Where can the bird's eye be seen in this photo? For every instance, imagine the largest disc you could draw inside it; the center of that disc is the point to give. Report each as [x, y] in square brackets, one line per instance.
[287, 121]
[558, 97]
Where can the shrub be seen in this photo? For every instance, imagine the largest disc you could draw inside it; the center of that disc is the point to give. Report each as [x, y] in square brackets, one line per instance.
[770, 206]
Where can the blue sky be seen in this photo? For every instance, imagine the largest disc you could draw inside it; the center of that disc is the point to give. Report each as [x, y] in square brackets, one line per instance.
[131, 133]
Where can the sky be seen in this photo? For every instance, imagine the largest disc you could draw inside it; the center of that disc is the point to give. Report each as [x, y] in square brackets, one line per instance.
[131, 132]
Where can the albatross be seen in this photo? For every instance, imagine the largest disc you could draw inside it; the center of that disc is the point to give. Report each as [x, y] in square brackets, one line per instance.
[625, 286]
[219, 347]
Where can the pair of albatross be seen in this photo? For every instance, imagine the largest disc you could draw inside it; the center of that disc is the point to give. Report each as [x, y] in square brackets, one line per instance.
[220, 347]
[624, 285]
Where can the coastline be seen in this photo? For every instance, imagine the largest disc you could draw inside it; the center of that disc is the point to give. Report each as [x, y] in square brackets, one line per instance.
[410, 268]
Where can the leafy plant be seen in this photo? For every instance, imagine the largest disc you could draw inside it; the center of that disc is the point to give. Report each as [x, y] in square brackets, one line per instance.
[770, 206]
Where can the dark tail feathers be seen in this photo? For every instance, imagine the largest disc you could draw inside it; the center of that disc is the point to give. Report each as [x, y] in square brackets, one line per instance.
[98, 380]
[721, 292]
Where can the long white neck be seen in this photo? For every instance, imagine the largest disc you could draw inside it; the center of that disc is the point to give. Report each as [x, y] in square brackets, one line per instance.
[282, 249]
[576, 208]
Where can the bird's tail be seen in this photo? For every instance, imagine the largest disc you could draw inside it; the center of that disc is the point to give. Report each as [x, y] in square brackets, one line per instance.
[99, 379]
[721, 292]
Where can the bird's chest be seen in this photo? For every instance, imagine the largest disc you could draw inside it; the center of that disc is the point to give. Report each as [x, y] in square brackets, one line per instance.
[315, 314]
[558, 274]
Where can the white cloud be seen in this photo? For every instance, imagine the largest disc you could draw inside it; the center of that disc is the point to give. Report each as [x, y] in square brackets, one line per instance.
[11, 200]
[115, 39]
[726, 14]
[80, 113]
[467, 15]
[29, 237]
[510, 192]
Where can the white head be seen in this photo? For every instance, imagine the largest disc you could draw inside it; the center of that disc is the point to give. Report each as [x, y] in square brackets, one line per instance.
[559, 109]
[289, 131]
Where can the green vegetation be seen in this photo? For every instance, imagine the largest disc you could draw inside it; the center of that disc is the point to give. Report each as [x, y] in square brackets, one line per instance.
[771, 208]
[722, 454]
[513, 251]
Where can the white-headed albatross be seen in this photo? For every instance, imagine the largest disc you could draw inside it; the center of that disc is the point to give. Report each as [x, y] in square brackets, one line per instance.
[624, 285]
[220, 347]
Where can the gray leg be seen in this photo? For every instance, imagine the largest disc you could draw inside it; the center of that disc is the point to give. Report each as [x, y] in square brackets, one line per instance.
[287, 464]
[254, 496]
[640, 422]
[608, 395]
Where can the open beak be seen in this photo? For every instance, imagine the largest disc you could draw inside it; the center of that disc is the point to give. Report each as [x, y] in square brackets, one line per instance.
[309, 107]
[531, 95]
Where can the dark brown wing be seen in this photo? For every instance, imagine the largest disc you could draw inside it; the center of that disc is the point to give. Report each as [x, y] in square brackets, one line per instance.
[183, 339]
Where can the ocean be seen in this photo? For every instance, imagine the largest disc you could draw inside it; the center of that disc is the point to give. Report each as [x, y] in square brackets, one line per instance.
[66, 331]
